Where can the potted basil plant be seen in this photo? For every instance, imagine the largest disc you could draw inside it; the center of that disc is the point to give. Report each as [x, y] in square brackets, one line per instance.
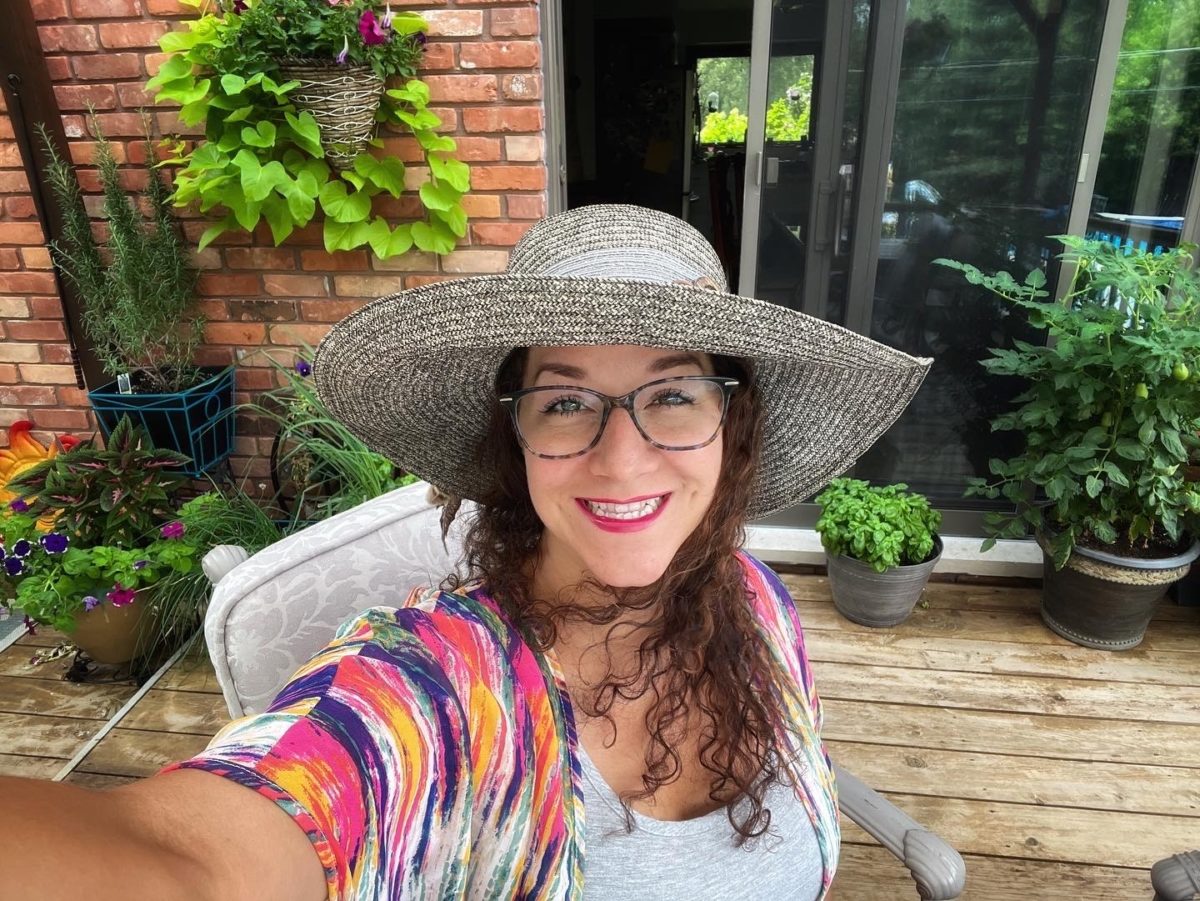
[882, 546]
[1109, 419]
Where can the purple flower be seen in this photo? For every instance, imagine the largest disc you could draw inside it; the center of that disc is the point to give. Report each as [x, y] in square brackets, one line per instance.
[91, 602]
[304, 368]
[30, 626]
[55, 543]
[22, 548]
[141, 564]
[341, 57]
[420, 38]
[173, 530]
[388, 16]
[120, 596]
[370, 29]
[18, 506]
[239, 6]
[14, 566]
[2, 553]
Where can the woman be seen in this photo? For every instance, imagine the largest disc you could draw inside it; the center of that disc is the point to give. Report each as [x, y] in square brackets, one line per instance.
[618, 702]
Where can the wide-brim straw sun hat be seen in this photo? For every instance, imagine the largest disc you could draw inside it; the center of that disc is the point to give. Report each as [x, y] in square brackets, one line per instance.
[413, 374]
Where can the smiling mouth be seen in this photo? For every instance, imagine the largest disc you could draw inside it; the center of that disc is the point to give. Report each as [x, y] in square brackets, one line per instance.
[625, 512]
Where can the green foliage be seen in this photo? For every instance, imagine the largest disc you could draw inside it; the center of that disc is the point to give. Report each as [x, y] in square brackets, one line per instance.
[724, 128]
[55, 586]
[262, 157]
[113, 495]
[787, 120]
[1111, 410]
[325, 465]
[139, 291]
[881, 527]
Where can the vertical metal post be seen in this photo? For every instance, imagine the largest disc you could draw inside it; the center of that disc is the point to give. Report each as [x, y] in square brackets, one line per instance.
[554, 106]
[756, 133]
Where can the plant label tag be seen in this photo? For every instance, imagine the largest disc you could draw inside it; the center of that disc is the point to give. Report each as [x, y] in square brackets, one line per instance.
[123, 384]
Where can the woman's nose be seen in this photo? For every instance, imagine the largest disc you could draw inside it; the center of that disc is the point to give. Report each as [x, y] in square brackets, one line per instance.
[621, 451]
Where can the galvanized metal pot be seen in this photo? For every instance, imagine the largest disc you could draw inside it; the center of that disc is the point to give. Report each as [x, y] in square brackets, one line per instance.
[879, 599]
[1105, 601]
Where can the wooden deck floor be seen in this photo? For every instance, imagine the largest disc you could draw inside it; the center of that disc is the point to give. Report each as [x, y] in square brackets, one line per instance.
[1059, 772]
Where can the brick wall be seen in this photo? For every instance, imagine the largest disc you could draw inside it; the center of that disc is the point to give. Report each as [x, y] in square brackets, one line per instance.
[483, 67]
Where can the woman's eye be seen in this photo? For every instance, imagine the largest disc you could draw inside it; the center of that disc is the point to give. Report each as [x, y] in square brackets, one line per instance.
[564, 406]
[672, 397]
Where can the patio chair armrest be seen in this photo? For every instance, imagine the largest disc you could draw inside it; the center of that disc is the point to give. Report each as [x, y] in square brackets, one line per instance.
[938, 869]
[1176, 878]
[220, 560]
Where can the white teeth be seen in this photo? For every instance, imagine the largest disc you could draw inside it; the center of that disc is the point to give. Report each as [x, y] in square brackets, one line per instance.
[625, 511]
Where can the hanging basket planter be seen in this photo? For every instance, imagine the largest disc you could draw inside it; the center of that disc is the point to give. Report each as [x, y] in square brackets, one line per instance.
[342, 99]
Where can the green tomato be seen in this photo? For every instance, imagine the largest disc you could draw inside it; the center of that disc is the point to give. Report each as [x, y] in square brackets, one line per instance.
[1180, 372]
[1140, 390]
[1106, 420]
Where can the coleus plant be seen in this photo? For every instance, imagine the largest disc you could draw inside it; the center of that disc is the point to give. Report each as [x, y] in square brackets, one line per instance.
[261, 157]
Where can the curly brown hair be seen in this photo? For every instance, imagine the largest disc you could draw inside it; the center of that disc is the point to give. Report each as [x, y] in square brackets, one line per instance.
[702, 654]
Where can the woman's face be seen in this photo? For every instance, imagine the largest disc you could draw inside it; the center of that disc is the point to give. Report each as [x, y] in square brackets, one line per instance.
[579, 500]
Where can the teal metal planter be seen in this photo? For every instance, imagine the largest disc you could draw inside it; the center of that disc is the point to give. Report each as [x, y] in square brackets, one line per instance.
[198, 422]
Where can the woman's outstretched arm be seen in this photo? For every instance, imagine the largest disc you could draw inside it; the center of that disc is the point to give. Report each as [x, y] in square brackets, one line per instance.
[181, 835]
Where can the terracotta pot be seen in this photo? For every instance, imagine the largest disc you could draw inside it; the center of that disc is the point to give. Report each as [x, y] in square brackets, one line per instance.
[110, 634]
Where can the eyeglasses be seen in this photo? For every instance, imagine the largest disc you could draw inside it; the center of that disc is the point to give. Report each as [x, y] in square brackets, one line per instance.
[560, 421]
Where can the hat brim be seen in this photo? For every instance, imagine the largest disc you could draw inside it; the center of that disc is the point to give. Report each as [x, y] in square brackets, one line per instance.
[413, 374]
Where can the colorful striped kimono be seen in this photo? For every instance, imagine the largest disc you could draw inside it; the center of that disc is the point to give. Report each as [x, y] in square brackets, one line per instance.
[428, 752]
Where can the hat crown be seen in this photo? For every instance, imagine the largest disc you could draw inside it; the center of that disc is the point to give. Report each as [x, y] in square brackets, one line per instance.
[618, 241]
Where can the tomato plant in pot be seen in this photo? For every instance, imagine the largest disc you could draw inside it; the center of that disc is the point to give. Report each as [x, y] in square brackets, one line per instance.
[882, 546]
[111, 538]
[140, 310]
[1109, 418]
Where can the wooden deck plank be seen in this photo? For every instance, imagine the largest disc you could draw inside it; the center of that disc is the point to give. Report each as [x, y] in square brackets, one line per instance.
[30, 767]
[101, 781]
[58, 698]
[191, 712]
[999, 777]
[32, 735]
[135, 752]
[1032, 736]
[870, 873]
[1013, 694]
[1138, 666]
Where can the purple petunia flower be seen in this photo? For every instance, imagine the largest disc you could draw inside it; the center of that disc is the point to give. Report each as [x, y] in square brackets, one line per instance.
[3, 554]
[120, 596]
[388, 16]
[30, 626]
[14, 566]
[173, 530]
[304, 368]
[18, 506]
[341, 57]
[239, 6]
[420, 38]
[141, 564]
[91, 602]
[55, 543]
[371, 30]
[21, 548]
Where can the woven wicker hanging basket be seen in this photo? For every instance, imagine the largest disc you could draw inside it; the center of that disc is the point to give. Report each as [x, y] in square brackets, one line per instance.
[343, 100]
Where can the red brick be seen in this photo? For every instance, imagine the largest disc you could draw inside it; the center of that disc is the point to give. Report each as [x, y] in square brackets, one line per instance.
[83, 153]
[6, 130]
[58, 67]
[481, 206]
[407, 150]
[9, 374]
[13, 183]
[503, 234]
[168, 8]
[46, 307]
[296, 335]
[521, 87]
[9, 415]
[258, 310]
[57, 353]
[260, 258]
[36, 330]
[27, 396]
[319, 260]
[105, 9]
[119, 35]
[462, 88]
[213, 310]
[47, 374]
[35, 257]
[21, 233]
[80, 96]
[120, 125]
[448, 117]
[296, 285]
[398, 209]
[72, 397]
[11, 352]
[473, 261]
[513, 22]
[418, 281]
[14, 308]
[107, 66]
[63, 420]
[44, 10]
[251, 333]
[503, 119]
[499, 55]
[454, 23]
[438, 56]
[72, 38]
[214, 356]
[30, 283]
[508, 178]
[413, 261]
[10, 155]
[328, 310]
[477, 150]
[9, 258]
[217, 285]
[366, 285]
[193, 230]
[20, 208]
[133, 95]
[523, 148]
[254, 379]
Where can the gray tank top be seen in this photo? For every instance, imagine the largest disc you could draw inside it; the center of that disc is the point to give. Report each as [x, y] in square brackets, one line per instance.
[690, 860]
